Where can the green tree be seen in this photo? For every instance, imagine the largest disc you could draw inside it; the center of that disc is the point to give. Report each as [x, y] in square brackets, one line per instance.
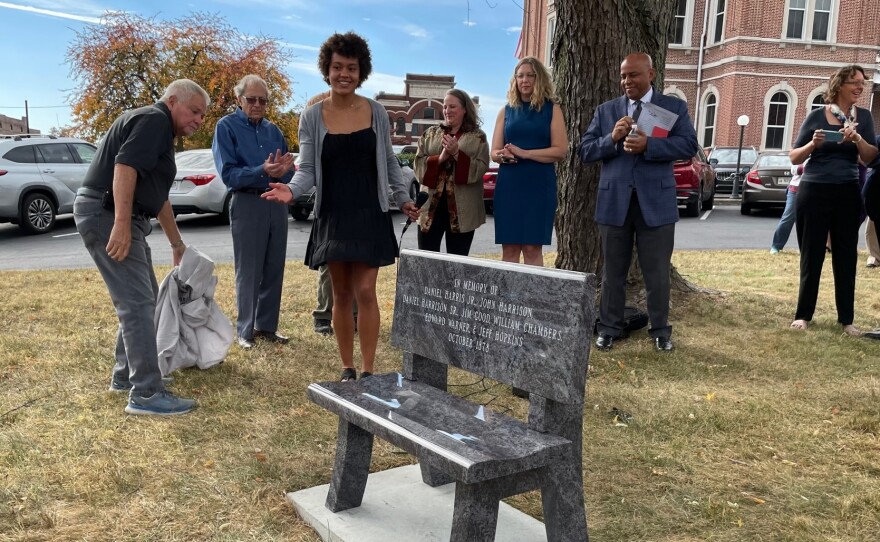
[128, 61]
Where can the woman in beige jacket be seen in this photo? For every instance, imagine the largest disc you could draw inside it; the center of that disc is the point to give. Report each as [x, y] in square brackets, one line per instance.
[450, 163]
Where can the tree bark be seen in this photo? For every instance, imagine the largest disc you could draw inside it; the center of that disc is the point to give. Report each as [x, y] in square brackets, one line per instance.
[591, 40]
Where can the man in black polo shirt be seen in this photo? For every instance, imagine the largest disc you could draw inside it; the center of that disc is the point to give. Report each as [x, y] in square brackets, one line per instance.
[127, 184]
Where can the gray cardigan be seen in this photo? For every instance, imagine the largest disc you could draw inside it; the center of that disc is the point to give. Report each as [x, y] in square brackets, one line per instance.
[311, 141]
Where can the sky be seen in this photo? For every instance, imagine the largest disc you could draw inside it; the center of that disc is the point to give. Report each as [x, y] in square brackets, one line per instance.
[474, 40]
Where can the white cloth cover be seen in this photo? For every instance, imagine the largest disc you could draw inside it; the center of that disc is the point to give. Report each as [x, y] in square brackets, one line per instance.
[191, 330]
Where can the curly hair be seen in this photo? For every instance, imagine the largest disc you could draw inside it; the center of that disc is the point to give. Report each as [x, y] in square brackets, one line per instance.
[543, 85]
[349, 45]
[837, 80]
[471, 121]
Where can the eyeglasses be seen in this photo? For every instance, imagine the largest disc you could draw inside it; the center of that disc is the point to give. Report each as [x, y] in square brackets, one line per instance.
[856, 83]
[251, 100]
[529, 75]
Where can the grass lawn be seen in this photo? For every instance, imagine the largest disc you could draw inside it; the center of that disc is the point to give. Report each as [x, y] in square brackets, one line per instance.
[747, 431]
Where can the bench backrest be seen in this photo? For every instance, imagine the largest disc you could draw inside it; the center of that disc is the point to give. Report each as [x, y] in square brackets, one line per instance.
[527, 326]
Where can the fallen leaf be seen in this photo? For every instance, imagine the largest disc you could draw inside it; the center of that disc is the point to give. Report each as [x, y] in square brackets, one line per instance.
[209, 464]
[658, 472]
[710, 396]
[261, 457]
[754, 499]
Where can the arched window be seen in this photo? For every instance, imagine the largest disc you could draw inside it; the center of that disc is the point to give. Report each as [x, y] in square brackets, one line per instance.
[777, 120]
[709, 120]
[400, 127]
[428, 113]
[818, 101]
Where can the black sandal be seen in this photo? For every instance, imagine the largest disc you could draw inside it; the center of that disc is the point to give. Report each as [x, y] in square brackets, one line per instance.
[348, 375]
[365, 374]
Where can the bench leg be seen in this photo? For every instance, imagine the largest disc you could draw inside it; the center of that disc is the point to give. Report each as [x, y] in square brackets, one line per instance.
[562, 497]
[354, 447]
[434, 477]
[475, 516]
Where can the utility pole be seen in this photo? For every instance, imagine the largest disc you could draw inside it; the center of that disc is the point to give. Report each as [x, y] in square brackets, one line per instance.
[27, 118]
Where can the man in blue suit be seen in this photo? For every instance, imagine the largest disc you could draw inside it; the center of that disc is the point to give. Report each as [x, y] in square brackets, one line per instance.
[636, 200]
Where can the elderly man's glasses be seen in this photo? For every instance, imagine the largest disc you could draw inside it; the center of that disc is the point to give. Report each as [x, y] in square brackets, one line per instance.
[251, 100]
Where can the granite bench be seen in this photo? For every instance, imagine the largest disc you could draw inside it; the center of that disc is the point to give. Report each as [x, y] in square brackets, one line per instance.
[524, 326]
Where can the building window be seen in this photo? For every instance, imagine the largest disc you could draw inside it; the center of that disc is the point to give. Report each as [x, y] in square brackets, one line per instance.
[709, 120]
[400, 127]
[551, 35]
[416, 130]
[719, 21]
[676, 33]
[821, 19]
[814, 15]
[777, 117]
[428, 113]
[818, 102]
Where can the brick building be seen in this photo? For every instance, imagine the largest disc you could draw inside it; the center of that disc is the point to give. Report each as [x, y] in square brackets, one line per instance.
[11, 126]
[419, 107]
[768, 60]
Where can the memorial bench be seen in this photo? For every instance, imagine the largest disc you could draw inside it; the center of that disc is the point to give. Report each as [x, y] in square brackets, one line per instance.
[525, 326]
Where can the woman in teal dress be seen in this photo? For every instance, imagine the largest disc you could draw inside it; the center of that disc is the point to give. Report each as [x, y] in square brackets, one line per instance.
[529, 139]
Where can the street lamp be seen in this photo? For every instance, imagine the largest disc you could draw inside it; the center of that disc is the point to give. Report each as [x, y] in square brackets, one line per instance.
[743, 121]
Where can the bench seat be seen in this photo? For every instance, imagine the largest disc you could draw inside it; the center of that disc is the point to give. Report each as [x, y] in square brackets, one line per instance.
[471, 442]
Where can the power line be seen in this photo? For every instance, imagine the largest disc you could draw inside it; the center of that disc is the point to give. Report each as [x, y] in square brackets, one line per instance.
[32, 106]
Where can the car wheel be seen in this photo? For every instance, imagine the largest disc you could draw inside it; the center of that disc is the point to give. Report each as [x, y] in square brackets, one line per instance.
[695, 208]
[37, 214]
[709, 204]
[745, 209]
[300, 213]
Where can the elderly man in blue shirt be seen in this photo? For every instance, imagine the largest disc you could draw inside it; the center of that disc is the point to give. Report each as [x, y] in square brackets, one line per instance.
[250, 152]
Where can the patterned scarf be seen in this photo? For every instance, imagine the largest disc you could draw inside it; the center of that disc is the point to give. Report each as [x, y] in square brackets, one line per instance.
[847, 121]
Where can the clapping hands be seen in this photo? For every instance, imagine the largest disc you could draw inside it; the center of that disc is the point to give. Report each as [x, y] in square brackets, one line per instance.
[276, 165]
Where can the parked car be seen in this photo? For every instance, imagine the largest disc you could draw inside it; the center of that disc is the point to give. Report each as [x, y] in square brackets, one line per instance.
[723, 160]
[695, 184]
[489, 180]
[198, 188]
[767, 182]
[303, 205]
[39, 177]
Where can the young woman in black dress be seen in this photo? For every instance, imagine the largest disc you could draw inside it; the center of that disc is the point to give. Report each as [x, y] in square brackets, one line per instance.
[345, 149]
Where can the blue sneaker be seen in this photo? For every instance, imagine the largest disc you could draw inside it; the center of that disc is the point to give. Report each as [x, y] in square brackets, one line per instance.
[163, 403]
[119, 387]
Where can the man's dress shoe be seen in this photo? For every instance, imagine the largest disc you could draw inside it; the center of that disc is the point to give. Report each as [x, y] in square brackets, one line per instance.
[604, 342]
[663, 344]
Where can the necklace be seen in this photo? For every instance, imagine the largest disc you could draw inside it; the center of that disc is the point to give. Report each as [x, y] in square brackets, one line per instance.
[350, 107]
[847, 121]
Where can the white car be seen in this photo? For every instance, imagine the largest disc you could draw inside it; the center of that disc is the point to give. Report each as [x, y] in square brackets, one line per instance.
[39, 177]
[197, 186]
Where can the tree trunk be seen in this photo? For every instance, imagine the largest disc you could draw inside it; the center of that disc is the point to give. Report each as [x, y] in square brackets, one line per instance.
[592, 38]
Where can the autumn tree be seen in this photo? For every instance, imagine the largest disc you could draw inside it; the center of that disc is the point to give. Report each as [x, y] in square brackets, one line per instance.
[127, 62]
[592, 38]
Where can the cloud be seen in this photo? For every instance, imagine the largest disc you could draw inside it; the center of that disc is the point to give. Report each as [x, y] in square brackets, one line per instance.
[379, 82]
[469, 22]
[300, 46]
[415, 31]
[513, 29]
[52, 13]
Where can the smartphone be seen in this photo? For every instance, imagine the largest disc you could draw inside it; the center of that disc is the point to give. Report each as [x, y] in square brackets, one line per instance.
[833, 136]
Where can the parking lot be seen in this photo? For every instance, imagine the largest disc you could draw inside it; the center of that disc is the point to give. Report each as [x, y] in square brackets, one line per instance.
[722, 228]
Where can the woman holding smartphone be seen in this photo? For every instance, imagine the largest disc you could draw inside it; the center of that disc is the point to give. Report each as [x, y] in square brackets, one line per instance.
[835, 138]
[450, 162]
[529, 138]
[345, 149]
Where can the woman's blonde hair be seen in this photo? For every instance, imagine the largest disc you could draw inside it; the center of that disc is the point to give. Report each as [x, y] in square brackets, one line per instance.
[837, 80]
[543, 85]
